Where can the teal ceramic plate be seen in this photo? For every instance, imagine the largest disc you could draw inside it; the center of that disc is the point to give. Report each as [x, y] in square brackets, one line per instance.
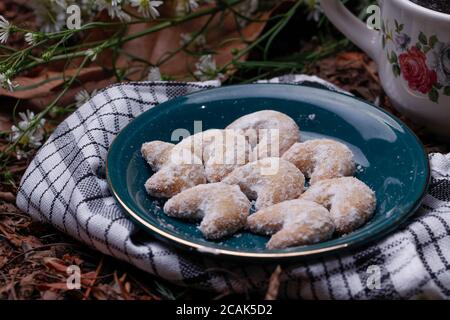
[390, 158]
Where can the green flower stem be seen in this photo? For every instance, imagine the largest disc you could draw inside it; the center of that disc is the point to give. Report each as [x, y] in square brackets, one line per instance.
[42, 114]
[268, 34]
[118, 42]
[162, 60]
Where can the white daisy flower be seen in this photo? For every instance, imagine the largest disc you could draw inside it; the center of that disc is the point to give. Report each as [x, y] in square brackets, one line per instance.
[246, 8]
[207, 69]
[184, 6]
[6, 83]
[193, 4]
[114, 8]
[315, 12]
[5, 28]
[32, 38]
[83, 96]
[92, 53]
[147, 8]
[154, 74]
[20, 154]
[50, 14]
[33, 138]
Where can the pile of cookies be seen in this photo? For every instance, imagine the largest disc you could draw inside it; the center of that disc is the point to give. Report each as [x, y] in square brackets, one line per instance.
[215, 175]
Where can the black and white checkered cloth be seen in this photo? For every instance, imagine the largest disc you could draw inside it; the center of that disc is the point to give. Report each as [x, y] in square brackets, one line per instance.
[65, 186]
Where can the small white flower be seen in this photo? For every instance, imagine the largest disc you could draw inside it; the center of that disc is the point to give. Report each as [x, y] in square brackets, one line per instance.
[193, 4]
[32, 38]
[20, 154]
[5, 28]
[207, 69]
[114, 8]
[315, 10]
[50, 14]
[33, 138]
[6, 83]
[186, 6]
[83, 96]
[92, 53]
[147, 8]
[154, 74]
[246, 8]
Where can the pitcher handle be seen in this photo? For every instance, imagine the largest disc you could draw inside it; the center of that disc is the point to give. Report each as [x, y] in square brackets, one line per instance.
[353, 28]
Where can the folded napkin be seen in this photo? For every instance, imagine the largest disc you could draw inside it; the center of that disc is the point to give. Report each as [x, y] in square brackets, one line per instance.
[65, 186]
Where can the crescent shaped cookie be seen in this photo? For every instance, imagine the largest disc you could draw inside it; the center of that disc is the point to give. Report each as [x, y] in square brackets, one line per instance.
[221, 151]
[195, 145]
[292, 223]
[229, 151]
[261, 127]
[157, 153]
[268, 181]
[350, 201]
[172, 179]
[321, 159]
[222, 209]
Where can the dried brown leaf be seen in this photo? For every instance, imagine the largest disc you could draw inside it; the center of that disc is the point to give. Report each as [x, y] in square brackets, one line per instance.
[274, 284]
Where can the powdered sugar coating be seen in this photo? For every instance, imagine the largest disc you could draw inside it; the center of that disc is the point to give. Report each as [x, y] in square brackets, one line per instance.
[321, 159]
[230, 151]
[180, 166]
[195, 145]
[255, 125]
[156, 153]
[222, 208]
[293, 223]
[172, 179]
[268, 181]
[350, 201]
[221, 151]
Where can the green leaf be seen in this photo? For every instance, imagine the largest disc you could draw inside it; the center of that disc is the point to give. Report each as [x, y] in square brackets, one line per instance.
[434, 95]
[418, 46]
[447, 91]
[394, 58]
[396, 69]
[423, 38]
[399, 27]
[426, 49]
[433, 40]
[396, 25]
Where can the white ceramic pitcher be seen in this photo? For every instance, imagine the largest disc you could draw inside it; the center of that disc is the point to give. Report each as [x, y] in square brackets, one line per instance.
[412, 51]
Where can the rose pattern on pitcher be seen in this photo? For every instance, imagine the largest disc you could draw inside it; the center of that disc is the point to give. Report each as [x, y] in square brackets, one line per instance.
[424, 65]
[413, 66]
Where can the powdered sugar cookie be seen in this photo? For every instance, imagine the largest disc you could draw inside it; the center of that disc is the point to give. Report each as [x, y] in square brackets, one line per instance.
[222, 209]
[221, 151]
[321, 159]
[350, 201]
[268, 181]
[292, 223]
[156, 153]
[171, 179]
[226, 154]
[269, 132]
[195, 145]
